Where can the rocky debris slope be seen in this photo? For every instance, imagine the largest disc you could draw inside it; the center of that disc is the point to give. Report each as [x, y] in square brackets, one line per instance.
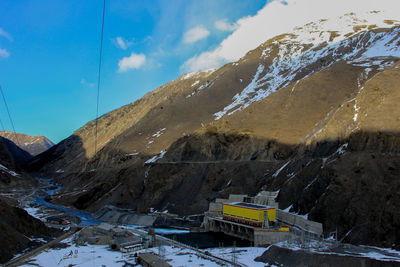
[34, 145]
[313, 113]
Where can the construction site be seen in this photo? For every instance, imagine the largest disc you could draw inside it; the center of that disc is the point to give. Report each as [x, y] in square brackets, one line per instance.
[258, 220]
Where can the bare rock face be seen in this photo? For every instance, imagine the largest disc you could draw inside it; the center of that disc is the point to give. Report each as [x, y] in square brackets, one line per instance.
[313, 113]
[34, 145]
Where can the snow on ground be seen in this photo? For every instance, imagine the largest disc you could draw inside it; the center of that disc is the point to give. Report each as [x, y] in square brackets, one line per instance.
[89, 255]
[197, 73]
[100, 255]
[159, 132]
[185, 257]
[132, 154]
[203, 86]
[280, 169]
[324, 40]
[34, 212]
[156, 157]
[244, 255]
[342, 149]
[181, 257]
[5, 169]
[330, 247]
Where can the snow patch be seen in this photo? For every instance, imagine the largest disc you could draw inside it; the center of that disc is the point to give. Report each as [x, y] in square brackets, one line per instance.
[198, 73]
[132, 154]
[205, 85]
[34, 212]
[322, 44]
[280, 169]
[288, 208]
[240, 99]
[5, 169]
[159, 132]
[156, 157]
[342, 149]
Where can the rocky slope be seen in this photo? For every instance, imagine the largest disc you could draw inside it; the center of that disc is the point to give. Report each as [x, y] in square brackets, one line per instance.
[312, 113]
[19, 230]
[11, 158]
[34, 145]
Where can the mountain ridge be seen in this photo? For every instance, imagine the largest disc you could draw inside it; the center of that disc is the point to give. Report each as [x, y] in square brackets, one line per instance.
[288, 116]
[34, 145]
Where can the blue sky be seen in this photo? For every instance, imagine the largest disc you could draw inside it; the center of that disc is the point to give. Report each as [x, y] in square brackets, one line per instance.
[49, 52]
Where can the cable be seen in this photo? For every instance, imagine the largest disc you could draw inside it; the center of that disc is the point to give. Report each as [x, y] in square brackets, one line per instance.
[2, 125]
[9, 115]
[98, 82]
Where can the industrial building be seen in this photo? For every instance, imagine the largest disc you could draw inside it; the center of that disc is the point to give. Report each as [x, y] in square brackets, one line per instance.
[257, 219]
[149, 259]
[248, 213]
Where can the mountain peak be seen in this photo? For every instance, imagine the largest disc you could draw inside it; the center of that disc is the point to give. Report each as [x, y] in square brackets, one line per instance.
[32, 144]
[363, 40]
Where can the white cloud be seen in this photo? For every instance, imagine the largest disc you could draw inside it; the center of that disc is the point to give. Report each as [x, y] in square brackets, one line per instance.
[195, 34]
[134, 61]
[84, 82]
[4, 52]
[224, 25]
[278, 17]
[122, 43]
[5, 34]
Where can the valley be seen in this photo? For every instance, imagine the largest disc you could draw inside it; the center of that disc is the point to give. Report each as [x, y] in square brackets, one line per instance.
[310, 115]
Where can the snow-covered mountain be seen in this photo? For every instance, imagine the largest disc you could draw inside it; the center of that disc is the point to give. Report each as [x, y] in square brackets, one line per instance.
[312, 113]
[319, 45]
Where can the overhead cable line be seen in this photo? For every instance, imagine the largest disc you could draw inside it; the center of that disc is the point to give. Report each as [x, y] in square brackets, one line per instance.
[2, 125]
[9, 115]
[99, 79]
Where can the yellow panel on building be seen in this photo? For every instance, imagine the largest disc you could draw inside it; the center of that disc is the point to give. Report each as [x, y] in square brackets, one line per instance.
[271, 214]
[248, 213]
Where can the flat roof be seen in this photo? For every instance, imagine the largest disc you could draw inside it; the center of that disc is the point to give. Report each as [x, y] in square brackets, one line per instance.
[153, 260]
[249, 205]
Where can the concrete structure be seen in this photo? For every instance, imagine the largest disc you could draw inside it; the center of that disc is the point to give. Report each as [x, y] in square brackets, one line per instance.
[117, 238]
[123, 242]
[113, 214]
[257, 235]
[264, 198]
[312, 227]
[152, 260]
[298, 225]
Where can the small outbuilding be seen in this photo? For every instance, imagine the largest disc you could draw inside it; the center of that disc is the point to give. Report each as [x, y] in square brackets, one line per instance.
[56, 220]
[152, 260]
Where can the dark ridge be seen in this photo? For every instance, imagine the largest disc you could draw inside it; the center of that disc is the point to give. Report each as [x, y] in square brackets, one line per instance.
[19, 155]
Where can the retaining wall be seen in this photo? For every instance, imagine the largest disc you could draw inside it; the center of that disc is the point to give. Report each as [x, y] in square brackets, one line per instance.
[295, 220]
[262, 238]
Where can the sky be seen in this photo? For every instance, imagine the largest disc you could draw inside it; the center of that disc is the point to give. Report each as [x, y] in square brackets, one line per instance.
[49, 54]
[49, 49]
